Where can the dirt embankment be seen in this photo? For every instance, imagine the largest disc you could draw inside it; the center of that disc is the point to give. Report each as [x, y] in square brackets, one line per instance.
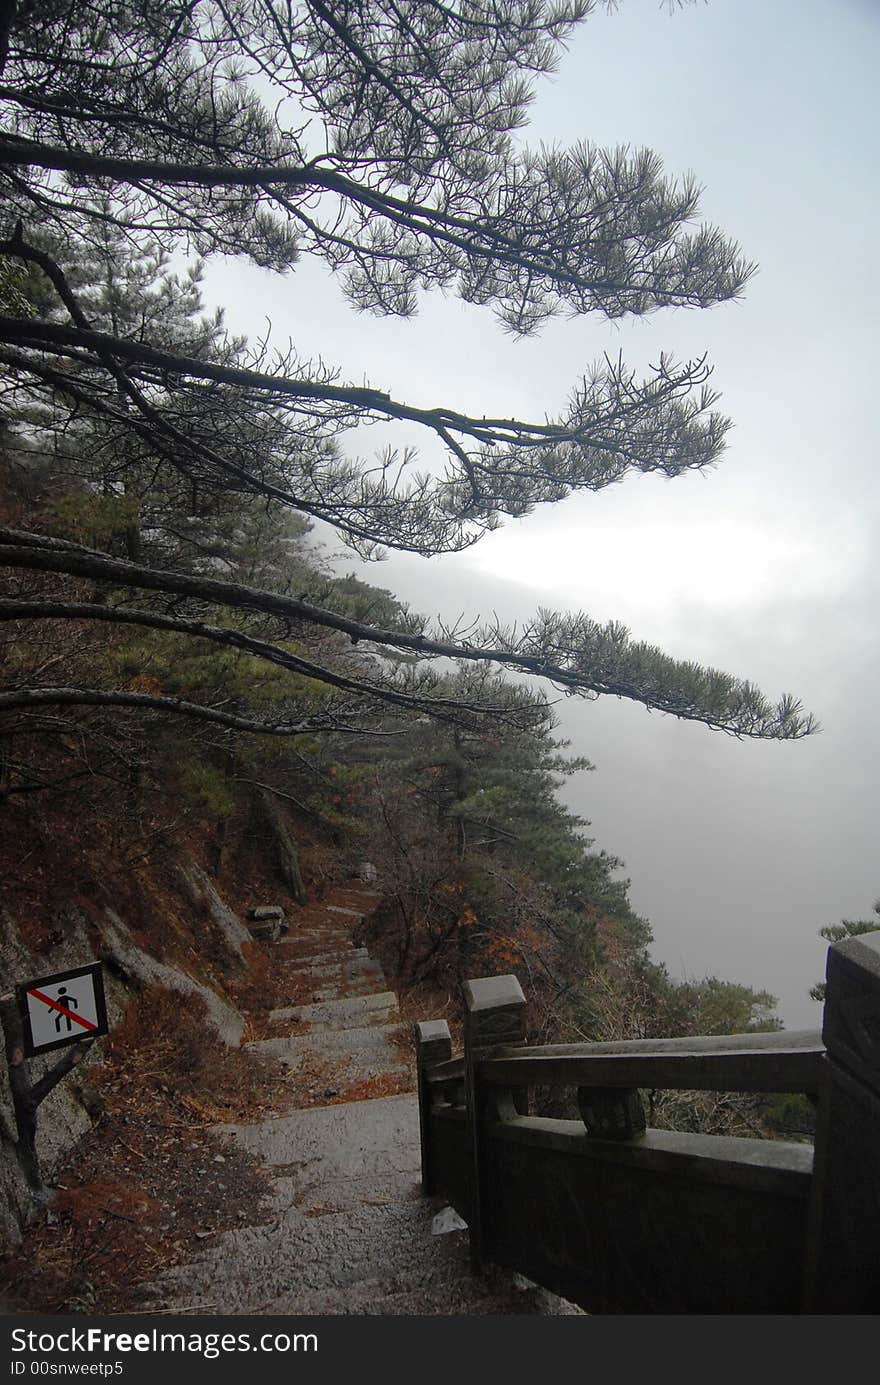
[124, 1137]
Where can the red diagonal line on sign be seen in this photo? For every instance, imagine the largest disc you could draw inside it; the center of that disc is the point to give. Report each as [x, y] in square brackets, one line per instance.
[56, 1005]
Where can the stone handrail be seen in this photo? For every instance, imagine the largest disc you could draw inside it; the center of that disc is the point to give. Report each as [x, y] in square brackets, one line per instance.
[785, 1061]
[621, 1218]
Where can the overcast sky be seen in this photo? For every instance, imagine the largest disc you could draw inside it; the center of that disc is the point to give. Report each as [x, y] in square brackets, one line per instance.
[737, 852]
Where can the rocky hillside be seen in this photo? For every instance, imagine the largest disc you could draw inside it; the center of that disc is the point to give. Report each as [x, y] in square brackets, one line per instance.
[218, 1156]
[166, 927]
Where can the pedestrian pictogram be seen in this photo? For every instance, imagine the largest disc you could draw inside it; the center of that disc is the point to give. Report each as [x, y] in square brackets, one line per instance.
[63, 1009]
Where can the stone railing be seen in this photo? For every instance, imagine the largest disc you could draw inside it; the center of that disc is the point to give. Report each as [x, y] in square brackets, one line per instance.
[623, 1219]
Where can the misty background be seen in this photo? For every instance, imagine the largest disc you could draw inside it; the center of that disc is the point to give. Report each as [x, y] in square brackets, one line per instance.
[737, 851]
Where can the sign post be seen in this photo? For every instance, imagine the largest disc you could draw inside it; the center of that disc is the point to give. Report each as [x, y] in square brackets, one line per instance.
[65, 1009]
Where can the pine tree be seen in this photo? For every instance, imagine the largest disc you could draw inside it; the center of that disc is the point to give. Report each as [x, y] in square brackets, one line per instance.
[380, 138]
[486, 867]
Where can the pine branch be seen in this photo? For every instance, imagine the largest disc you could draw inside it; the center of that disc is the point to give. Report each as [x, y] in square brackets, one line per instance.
[92, 697]
[570, 652]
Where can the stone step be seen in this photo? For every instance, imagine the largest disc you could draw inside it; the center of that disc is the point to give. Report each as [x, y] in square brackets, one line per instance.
[456, 1291]
[294, 1254]
[348, 969]
[300, 949]
[332, 981]
[340, 1154]
[354, 1055]
[346, 988]
[379, 1007]
[330, 913]
[358, 895]
[326, 958]
[309, 935]
[328, 1262]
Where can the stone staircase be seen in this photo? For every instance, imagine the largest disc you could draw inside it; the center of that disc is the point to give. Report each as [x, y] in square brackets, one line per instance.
[349, 1230]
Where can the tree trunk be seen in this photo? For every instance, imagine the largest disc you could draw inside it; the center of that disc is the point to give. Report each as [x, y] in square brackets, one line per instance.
[283, 846]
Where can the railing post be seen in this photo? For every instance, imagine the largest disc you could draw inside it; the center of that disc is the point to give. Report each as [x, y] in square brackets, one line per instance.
[843, 1245]
[433, 1045]
[495, 1013]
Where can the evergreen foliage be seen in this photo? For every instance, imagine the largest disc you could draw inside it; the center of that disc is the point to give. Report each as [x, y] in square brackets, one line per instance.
[161, 476]
[383, 139]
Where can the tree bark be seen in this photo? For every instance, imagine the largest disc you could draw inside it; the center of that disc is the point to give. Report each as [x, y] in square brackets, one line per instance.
[284, 850]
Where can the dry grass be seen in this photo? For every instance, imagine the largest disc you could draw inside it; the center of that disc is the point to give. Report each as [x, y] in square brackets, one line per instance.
[367, 1089]
[183, 1058]
[428, 1001]
[261, 988]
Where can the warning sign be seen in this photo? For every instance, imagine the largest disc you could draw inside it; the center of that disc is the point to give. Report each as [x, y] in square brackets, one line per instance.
[63, 1009]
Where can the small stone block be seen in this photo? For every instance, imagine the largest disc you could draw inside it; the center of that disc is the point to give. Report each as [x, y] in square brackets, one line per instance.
[495, 1007]
[433, 1042]
[863, 951]
[446, 1221]
[851, 1021]
[492, 993]
[267, 931]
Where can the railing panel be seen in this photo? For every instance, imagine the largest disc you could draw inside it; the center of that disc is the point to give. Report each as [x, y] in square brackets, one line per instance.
[451, 1151]
[774, 1070]
[667, 1224]
[443, 1072]
[757, 1042]
[658, 1221]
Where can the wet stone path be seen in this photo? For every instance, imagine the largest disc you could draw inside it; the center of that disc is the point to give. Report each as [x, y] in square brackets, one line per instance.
[348, 1230]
